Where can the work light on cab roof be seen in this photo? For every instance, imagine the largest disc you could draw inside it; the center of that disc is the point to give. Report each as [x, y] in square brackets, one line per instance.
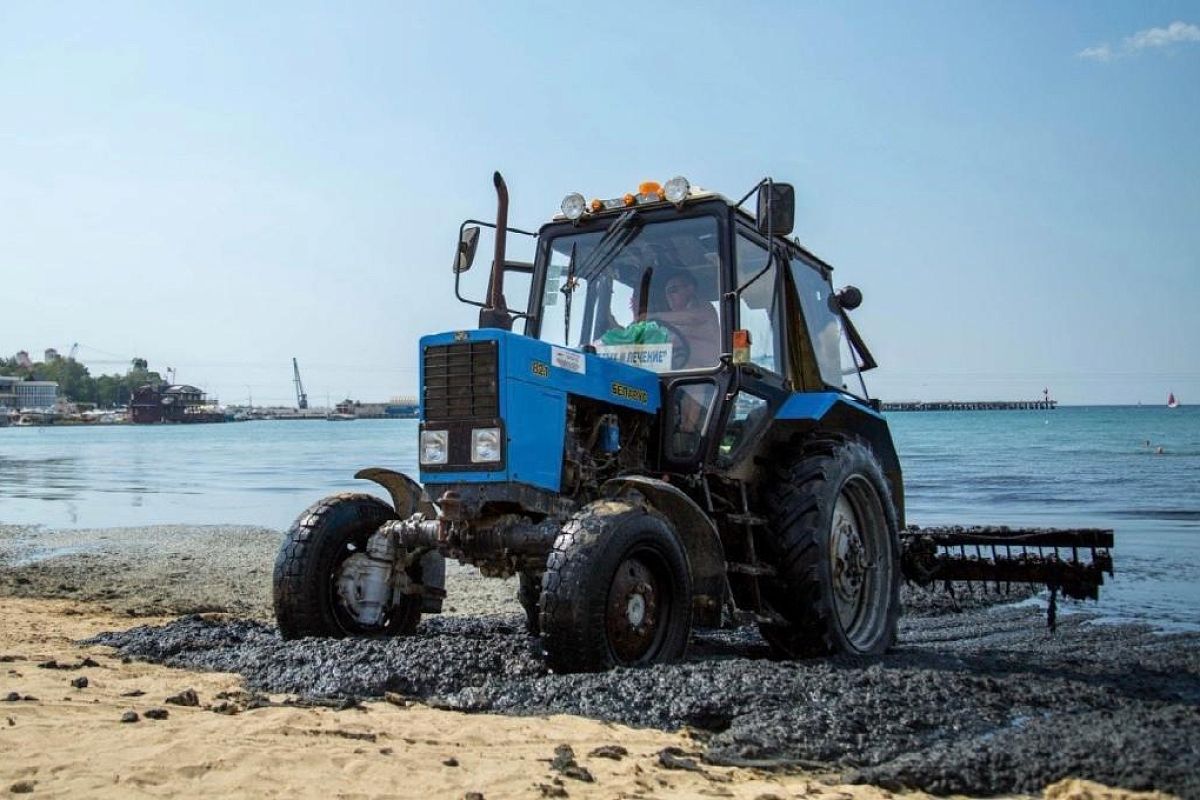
[675, 191]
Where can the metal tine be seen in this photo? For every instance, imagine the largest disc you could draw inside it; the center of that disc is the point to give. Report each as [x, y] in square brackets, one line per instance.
[962, 551]
[1008, 584]
[996, 559]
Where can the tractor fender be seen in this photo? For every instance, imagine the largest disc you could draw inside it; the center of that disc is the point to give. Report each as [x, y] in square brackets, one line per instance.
[409, 498]
[697, 533]
[407, 495]
[835, 412]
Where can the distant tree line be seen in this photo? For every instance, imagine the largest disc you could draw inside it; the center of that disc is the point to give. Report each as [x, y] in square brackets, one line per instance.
[77, 385]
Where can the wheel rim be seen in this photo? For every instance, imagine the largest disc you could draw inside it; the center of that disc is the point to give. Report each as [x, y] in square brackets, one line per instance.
[342, 612]
[860, 563]
[637, 609]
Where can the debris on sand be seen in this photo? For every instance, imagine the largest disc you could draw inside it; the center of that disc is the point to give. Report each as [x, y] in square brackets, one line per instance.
[187, 697]
[612, 751]
[675, 758]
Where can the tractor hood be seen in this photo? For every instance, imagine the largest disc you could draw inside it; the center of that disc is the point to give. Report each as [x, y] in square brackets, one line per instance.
[491, 378]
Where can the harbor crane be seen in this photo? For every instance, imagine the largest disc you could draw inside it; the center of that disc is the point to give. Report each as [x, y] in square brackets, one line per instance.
[301, 397]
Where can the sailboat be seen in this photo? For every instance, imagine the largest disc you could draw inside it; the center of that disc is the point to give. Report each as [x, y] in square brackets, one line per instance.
[1171, 401]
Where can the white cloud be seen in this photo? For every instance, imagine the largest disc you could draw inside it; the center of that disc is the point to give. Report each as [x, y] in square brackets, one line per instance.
[1175, 33]
[1161, 37]
[1101, 52]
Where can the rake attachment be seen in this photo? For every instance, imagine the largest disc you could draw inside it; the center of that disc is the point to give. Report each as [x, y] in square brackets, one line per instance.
[1072, 562]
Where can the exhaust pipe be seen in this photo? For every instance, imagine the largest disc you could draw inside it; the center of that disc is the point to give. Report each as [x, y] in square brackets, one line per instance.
[496, 313]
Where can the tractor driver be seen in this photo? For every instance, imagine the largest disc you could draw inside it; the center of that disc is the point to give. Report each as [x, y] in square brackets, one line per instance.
[692, 324]
[691, 318]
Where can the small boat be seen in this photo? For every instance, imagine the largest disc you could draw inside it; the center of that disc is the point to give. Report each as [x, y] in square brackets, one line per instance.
[1171, 401]
[337, 416]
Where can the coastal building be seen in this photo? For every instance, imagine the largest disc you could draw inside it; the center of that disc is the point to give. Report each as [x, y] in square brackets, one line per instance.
[171, 403]
[18, 394]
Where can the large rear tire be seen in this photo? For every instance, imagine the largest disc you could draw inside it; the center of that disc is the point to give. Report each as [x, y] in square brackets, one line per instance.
[617, 591]
[837, 547]
[306, 597]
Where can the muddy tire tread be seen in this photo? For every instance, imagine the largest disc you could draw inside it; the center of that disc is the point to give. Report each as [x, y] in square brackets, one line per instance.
[568, 621]
[797, 497]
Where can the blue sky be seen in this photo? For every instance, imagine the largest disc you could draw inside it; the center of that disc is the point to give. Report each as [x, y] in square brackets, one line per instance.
[221, 186]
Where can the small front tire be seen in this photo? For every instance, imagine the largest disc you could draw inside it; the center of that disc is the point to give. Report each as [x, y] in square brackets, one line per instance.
[320, 541]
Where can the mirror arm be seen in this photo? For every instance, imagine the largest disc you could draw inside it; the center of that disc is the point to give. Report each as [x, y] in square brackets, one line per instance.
[736, 293]
[753, 189]
[458, 293]
[856, 341]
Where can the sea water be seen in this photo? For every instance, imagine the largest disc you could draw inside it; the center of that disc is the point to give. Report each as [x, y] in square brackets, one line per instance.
[1070, 467]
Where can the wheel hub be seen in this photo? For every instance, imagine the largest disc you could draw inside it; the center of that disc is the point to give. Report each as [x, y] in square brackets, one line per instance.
[363, 588]
[848, 554]
[635, 610]
[632, 618]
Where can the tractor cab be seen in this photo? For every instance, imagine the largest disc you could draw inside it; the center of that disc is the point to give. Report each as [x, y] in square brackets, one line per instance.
[730, 314]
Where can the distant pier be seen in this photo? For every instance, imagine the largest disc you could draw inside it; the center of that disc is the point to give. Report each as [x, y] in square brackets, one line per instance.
[972, 405]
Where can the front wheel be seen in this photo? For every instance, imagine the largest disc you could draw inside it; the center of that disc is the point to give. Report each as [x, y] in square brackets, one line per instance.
[317, 568]
[617, 591]
[836, 541]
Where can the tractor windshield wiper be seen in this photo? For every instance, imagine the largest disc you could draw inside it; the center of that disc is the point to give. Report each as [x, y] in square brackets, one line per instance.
[568, 290]
[619, 234]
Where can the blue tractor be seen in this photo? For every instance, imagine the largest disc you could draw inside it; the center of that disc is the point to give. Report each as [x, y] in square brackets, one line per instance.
[677, 435]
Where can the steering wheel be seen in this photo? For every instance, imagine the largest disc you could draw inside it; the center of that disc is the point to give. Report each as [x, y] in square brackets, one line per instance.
[681, 351]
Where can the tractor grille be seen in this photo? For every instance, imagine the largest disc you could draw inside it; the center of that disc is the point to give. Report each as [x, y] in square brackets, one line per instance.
[462, 381]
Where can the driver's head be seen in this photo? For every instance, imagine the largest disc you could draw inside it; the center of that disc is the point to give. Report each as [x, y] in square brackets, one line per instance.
[680, 290]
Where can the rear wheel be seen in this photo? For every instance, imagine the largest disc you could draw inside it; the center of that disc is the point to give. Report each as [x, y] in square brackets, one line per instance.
[838, 552]
[314, 572]
[617, 591]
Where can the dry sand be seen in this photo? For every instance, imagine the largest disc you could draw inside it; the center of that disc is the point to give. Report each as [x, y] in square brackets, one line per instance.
[70, 742]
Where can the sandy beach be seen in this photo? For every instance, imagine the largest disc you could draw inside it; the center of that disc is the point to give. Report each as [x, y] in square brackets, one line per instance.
[70, 741]
[64, 701]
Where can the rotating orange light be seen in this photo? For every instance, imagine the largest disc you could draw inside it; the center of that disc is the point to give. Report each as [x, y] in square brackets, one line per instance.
[647, 188]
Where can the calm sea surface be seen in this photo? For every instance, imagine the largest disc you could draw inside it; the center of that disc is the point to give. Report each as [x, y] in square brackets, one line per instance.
[1086, 466]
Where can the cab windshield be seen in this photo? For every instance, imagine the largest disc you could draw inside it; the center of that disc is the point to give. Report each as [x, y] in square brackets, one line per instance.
[644, 293]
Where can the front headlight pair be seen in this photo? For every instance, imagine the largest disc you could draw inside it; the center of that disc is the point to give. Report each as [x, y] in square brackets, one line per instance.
[485, 446]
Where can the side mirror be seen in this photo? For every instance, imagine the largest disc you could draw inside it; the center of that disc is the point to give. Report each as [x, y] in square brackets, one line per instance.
[776, 208]
[850, 298]
[465, 256]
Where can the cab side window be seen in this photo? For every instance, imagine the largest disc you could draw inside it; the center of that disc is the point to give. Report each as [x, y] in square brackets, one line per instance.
[759, 309]
[821, 317]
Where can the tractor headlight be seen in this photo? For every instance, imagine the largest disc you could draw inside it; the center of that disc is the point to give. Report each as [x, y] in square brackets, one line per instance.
[573, 206]
[676, 190]
[485, 445]
[435, 447]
